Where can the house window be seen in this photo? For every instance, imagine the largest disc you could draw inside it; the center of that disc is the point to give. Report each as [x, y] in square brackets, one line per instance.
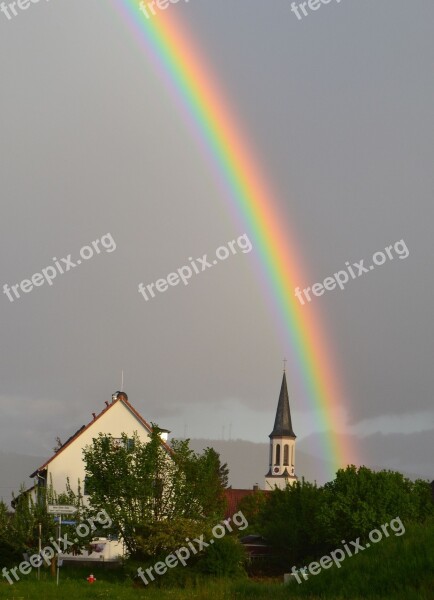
[277, 461]
[286, 455]
[120, 443]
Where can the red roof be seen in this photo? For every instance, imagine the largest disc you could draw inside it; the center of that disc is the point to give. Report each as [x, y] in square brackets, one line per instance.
[234, 497]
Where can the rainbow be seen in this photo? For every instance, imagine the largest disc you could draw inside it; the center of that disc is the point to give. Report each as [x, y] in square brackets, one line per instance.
[252, 201]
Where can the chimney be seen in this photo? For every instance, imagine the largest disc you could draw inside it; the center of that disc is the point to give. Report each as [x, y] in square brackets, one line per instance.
[94, 416]
[106, 402]
[164, 434]
[119, 395]
[256, 488]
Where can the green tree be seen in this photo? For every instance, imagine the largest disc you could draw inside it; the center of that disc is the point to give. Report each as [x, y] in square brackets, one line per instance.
[304, 521]
[157, 539]
[359, 500]
[4, 520]
[199, 490]
[141, 484]
[289, 521]
[252, 507]
[31, 516]
[24, 524]
[8, 553]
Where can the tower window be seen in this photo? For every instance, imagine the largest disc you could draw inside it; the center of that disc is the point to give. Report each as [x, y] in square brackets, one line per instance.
[286, 455]
[277, 461]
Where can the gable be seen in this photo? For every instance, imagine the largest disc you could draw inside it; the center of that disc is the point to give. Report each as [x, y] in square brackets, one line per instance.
[117, 418]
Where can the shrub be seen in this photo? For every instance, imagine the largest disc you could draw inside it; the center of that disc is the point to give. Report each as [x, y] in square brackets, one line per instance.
[226, 558]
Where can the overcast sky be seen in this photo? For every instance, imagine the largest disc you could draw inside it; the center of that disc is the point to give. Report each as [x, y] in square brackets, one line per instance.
[339, 109]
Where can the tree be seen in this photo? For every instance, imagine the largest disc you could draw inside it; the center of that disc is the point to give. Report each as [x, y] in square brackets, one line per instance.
[152, 491]
[8, 553]
[359, 500]
[289, 521]
[200, 488]
[252, 506]
[24, 524]
[31, 517]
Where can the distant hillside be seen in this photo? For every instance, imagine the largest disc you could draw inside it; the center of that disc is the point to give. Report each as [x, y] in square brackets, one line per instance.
[14, 471]
[248, 462]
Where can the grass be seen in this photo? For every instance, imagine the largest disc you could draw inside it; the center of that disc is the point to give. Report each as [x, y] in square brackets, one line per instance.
[398, 568]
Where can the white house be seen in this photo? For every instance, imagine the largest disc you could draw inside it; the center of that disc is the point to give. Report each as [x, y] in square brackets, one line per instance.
[117, 418]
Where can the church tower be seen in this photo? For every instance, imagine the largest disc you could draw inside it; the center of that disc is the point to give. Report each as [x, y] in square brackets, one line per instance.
[282, 445]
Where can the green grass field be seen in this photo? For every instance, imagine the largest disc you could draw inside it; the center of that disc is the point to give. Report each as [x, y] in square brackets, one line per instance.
[400, 568]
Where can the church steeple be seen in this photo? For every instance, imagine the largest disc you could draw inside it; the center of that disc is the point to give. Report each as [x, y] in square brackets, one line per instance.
[282, 444]
[283, 423]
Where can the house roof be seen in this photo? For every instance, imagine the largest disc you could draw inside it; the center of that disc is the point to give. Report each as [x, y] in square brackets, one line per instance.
[283, 423]
[234, 497]
[118, 397]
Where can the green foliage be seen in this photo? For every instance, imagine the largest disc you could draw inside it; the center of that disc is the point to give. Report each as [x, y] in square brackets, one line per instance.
[199, 489]
[4, 520]
[142, 484]
[226, 558]
[252, 506]
[160, 538]
[126, 480]
[397, 567]
[20, 530]
[359, 500]
[29, 515]
[289, 521]
[8, 554]
[304, 520]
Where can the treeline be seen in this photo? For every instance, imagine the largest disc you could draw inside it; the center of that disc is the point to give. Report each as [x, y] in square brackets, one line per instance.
[306, 521]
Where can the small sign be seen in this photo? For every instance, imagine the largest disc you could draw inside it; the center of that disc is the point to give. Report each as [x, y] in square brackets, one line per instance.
[64, 522]
[61, 509]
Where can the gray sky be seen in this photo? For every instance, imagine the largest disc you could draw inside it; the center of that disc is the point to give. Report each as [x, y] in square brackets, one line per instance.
[338, 107]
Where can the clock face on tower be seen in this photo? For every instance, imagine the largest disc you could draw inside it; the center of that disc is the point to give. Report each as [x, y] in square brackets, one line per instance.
[276, 469]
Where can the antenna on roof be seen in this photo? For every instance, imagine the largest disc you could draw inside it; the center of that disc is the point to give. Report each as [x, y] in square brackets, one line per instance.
[284, 365]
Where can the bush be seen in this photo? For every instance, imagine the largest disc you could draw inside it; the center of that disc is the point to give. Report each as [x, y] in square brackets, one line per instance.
[226, 558]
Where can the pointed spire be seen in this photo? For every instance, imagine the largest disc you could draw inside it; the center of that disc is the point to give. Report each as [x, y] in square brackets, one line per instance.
[283, 423]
